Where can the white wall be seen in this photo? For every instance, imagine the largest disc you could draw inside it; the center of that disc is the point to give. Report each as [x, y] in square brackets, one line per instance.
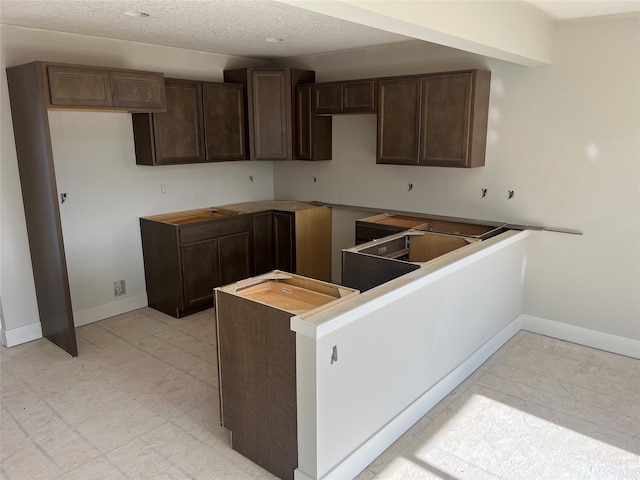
[395, 344]
[106, 192]
[564, 137]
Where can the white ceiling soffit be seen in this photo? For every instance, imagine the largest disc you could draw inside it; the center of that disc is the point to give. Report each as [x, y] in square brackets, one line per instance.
[513, 31]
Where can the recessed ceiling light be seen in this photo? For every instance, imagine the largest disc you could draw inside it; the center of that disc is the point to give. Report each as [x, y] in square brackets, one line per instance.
[274, 40]
[133, 13]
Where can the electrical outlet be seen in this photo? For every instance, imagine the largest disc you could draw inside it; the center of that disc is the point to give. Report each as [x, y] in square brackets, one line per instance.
[119, 288]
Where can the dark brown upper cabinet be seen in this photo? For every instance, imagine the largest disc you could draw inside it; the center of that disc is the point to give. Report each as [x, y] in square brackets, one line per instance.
[434, 120]
[344, 97]
[270, 109]
[313, 134]
[79, 87]
[204, 122]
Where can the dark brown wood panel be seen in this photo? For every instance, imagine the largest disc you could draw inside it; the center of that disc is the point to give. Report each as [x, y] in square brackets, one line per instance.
[284, 241]
[133, 90]
[398, 121]
[79, 87]
[365, 231]
[446, 114]
[162, 270]
[364, 272]
[27, 93]
[236, 259]
[224, 121]
[177, 132]
[268, 93]
[200, 272]
[258, 382]
[313, 134]
[220, 227]
[262, 231]
[327, 98]
[304, 118]
[359, 97]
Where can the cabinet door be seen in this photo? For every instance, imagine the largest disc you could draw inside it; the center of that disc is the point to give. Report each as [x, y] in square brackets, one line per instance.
[177, 132]
[312, 133]
[271, 120]
[224, 121]
[398, 121]
[304, 119]
[284, 241]
[327, 98]
[138, 90]
[359, 97]
[200, 272]
[262, 231]
[446, 115]
[235, 257]
[79, 87]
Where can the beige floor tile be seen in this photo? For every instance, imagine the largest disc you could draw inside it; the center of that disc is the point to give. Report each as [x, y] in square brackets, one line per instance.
[201, 327]
[119, 423]
[189, 344]
[141, 402]
[133, 326]
[30, 462]
[143, 462]
[563, 404]
[98, 336]
[627, 365]
[97, 469]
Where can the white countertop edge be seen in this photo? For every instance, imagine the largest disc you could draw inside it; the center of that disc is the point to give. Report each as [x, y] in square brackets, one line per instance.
[344, 313]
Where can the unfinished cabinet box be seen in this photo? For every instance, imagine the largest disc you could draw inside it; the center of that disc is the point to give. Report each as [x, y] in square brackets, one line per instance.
[378, 226]
[188, 254]
[257, 362]
[371, 264]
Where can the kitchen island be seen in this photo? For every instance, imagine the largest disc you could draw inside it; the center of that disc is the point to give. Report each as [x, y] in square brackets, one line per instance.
[370, 366]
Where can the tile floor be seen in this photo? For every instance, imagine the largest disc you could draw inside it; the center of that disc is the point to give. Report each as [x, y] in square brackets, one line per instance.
[141, 402]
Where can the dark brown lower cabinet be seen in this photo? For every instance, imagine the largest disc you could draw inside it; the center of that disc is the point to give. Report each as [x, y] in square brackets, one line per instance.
[258, 375]
[257, 362]
[187, 254]
[184, 261]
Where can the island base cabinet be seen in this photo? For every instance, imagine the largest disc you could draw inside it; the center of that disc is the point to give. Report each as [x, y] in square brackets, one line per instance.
[258, 375]
[257, 362]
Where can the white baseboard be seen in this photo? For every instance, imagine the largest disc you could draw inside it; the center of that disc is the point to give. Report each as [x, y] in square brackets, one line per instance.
[582, 336]
[16, 336]
[378, 443]
[33, 331]
[90, 315]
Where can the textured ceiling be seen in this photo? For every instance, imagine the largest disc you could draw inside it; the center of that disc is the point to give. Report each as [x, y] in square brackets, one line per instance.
[230, 27]
[235, 27]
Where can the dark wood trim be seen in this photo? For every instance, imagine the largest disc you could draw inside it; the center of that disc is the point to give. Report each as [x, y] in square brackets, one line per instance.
[27, 87]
